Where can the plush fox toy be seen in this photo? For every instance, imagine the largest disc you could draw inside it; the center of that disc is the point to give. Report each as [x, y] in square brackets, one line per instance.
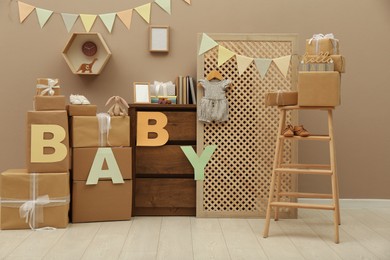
[119, 107]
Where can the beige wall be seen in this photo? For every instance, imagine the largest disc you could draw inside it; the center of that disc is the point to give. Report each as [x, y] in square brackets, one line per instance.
[362, 125]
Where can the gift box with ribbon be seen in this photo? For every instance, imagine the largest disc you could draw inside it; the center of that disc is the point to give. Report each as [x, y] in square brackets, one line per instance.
[322, 43]
[34, 200]
[163, 89]
[100, 131]
[81, 110]
[47, 87]
[320, 62]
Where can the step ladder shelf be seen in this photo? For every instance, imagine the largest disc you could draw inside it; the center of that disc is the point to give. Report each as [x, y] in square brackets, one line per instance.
[279, 168]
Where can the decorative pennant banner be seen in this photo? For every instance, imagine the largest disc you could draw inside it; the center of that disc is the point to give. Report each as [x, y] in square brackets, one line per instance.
[165, 5]
[108, 20]
[263, 65]
[43, 16]
[188, 1]
[224, 55]
[206, 44]
[283, 63]
[144, 11]
[88, 20]
[69, 20]
[125, 17]
[243, 63]
[24, 10]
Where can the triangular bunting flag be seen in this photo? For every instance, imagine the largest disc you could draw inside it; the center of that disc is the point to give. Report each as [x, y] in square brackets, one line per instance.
[188, 1]
[108, 20]
[144, 11]
[165, 5]
[125, 17]
[243, 63]
[24, 10]
[206, 44]
[69, 20]
[283, 63]
[43, 15]
[263, 66]
[88, 20]
[224, 55]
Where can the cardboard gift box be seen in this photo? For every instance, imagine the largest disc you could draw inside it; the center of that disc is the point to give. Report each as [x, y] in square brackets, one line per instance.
[47, 141]
[42, 198]
[47, 103]
[281, 98]
[322, 43]
[316, 67]
[102, 202]
[85, 158]
[339, 63]
[155, 99]
[47, 87]
[81, 110]
[319, 88]
[86, 131]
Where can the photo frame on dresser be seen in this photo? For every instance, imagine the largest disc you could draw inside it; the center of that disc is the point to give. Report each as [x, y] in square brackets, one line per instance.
[159, 38]
[141, 92]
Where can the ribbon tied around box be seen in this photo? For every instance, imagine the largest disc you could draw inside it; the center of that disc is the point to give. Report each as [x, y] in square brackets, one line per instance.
[164, 88]
[318, 37]
[49, 88]
[104, 120]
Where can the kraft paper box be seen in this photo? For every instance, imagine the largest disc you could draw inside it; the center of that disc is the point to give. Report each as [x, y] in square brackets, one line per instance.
[47, 103]
[102, 202]
[81, 110]
[86, 132]
[48, 193]
[339, 63]
[281, 98]
[154, 99]
[86, 160]
[47, 87]
[314, 46]
[316, 67]
[319, 88]
[47, 141]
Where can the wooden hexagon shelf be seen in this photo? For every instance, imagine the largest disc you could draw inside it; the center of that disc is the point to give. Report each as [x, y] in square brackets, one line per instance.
[84, 62]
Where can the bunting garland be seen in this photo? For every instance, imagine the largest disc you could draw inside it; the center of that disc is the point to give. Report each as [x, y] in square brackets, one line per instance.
[243, 62]
[88, 20]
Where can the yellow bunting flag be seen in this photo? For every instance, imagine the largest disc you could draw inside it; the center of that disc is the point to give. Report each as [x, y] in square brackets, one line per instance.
[24, 10]
[88, 20]
[108, 20]
[263, 65]
[243, 63]
[224, 55]
[125, 17]
[206, 44]
[165, 5]
[188, 1]
[69, 20]
[283, 63]
[144, 11]
[43, 16]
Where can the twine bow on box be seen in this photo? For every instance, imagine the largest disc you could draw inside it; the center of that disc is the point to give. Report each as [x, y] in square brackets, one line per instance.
[318, 37]
[49, 88]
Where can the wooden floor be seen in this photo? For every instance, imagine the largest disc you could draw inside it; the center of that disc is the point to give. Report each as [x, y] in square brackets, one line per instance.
[364, 234]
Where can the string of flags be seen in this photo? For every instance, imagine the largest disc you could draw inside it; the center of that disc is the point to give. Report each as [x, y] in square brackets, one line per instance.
[88, 20]
[243, 62]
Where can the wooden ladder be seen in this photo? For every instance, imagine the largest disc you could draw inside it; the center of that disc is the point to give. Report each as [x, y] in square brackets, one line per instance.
[313, 169]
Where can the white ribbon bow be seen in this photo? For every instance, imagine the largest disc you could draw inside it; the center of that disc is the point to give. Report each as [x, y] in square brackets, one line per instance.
[164, 86]
[51, 83]
[28, 209]
[104, 121]
[317, 37]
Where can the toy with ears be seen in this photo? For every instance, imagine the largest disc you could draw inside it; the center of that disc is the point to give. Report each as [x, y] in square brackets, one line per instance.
[119, 106]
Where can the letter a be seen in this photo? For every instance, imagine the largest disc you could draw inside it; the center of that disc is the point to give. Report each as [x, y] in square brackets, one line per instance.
[144, 128]
[199, 163]
[38, 143]
[97, 172]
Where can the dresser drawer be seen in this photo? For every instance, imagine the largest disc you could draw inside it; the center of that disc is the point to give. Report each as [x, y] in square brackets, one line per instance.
[167, 159]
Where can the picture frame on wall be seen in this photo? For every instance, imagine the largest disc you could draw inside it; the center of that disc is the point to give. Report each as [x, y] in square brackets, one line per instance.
[159, 38]
[141, 92]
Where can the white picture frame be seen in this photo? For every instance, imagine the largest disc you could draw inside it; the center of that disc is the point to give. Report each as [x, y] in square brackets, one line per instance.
[141, 92]
[159, 38]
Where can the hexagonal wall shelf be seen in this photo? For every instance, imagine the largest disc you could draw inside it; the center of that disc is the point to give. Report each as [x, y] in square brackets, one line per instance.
[86, 53]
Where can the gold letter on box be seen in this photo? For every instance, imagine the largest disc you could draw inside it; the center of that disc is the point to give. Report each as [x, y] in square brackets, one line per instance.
[38, 143]
[144, 128]
[113, 172]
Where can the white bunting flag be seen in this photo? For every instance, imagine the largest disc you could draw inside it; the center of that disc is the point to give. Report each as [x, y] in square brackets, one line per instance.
[243, 63]
[108, 20]
[206, 44]
[69, 20]
[224, 55]
[263, 65]
[283, 63]
[43, 16]
[165, 5]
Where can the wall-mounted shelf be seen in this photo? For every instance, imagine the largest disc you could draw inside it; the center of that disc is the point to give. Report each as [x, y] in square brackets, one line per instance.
[86, 62]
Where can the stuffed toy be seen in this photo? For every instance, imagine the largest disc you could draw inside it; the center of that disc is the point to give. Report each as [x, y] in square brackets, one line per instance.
[119, 106]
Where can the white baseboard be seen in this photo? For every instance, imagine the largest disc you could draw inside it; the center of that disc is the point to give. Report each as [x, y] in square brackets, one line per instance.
[352, 203]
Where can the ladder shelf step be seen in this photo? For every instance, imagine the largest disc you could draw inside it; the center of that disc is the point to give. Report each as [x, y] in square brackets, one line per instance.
[311, 137]
[304, 171]
[306, 195]
[302, 205]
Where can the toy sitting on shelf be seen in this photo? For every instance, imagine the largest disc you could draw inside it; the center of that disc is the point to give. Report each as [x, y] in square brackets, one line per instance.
[119, 108]
[87, 66]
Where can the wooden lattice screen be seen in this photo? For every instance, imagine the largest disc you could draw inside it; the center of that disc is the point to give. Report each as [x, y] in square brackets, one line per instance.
[237, 178]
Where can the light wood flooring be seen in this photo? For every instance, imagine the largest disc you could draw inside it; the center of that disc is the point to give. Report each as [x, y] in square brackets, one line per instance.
[364, 234]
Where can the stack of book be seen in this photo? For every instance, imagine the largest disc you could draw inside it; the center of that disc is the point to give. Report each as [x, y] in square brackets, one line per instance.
[186, 90]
